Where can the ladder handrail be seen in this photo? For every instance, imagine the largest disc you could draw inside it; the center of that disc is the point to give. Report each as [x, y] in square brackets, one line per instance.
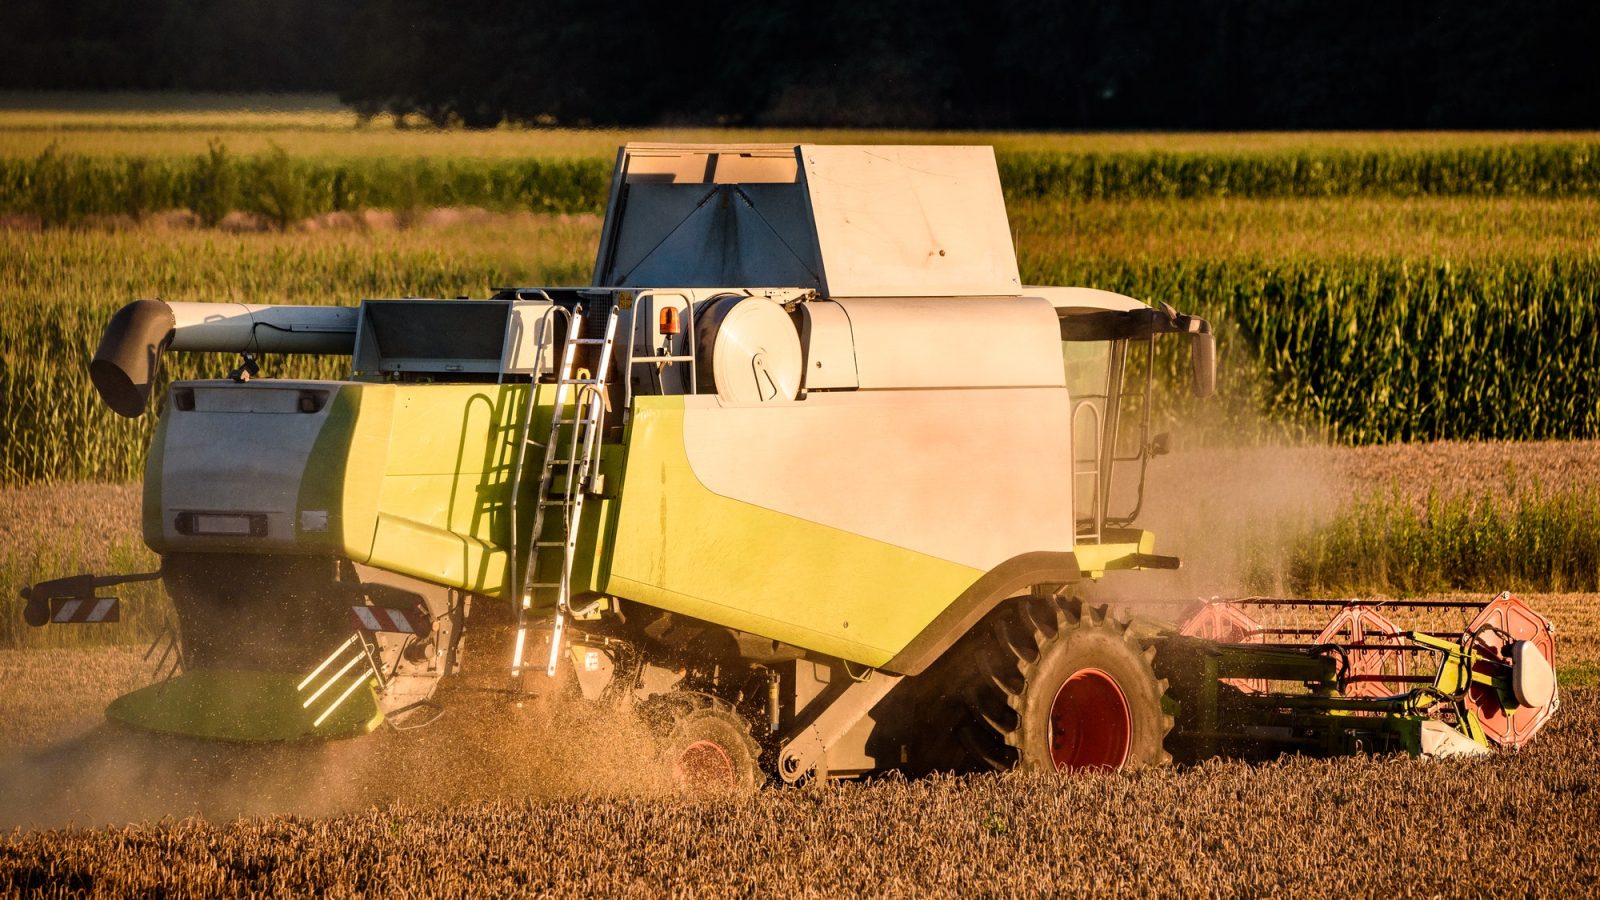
[690, 339]
[541, 348]
[581, 446]
[524, 590]
[1097, 514]
[588, 421]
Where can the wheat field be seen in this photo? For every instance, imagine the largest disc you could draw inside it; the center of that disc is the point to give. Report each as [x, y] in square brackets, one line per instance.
[498, 807]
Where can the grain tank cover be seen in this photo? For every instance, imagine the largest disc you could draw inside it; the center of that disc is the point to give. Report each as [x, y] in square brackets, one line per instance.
[846, 221]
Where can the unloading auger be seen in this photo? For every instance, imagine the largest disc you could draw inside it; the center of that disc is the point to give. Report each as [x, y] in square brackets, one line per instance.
[806, 474]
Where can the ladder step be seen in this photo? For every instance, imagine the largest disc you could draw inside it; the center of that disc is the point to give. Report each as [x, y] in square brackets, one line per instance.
[559, 496]
[559, 470]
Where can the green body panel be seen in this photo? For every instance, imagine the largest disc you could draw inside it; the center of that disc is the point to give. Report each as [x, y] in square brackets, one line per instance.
[679, 547]
[352, 446]
[227, 705]
[150, 518]
[443, 509]
[416, 479]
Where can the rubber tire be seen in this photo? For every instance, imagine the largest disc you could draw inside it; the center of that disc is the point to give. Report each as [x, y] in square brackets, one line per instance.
[1023, 657]
[689, 718]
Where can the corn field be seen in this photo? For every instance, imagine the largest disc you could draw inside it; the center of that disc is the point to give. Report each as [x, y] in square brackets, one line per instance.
[63, 188]
[1463, 542]
[61, 288]
[60, 187]
[1375, 350]
[1357, 350]
[1365, 288]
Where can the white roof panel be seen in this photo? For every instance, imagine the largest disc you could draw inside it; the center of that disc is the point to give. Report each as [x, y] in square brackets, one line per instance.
[910, 221]
[850, 221]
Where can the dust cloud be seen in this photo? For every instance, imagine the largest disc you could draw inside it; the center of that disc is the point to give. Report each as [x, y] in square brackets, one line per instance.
[1227, 511]
[482, 747]
[1230, 513]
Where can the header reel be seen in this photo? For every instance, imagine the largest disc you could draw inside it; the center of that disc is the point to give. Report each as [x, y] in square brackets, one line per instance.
[1260, 676]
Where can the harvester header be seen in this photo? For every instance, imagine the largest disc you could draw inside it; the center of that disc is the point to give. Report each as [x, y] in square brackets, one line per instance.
[806, 475]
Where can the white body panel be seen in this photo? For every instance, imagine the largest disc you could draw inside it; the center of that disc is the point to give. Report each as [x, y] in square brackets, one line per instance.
[240, 451]
[1084, 298]
[971, 476]
[966, 342]
[530, 329]
[830, 352]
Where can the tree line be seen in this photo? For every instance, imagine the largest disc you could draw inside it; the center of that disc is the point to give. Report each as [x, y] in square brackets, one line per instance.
[1203, 64]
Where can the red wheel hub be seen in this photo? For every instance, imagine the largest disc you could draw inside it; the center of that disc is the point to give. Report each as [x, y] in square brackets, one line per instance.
[1089, 723]
[704, 766]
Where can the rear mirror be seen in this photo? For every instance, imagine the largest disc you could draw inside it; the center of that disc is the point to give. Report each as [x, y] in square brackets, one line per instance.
[1203, 353]
[1161, 444]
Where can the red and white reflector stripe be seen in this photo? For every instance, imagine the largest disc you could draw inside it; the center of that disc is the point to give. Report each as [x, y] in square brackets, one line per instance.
[383, 618]
[88, 610]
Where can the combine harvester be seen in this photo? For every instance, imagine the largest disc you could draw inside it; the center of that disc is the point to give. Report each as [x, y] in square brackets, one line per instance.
[806, 474]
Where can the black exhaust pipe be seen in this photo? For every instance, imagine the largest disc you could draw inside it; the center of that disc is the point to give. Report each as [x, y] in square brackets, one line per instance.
[129, 357]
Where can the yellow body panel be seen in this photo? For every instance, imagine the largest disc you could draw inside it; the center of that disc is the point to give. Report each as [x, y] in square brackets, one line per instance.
[442, 509]
[682, 548]
[417, 479]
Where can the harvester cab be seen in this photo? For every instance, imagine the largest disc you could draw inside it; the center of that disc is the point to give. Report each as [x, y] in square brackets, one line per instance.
[806, 473]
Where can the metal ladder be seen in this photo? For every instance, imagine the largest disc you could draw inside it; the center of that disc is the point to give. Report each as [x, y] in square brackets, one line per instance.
[564, 476]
